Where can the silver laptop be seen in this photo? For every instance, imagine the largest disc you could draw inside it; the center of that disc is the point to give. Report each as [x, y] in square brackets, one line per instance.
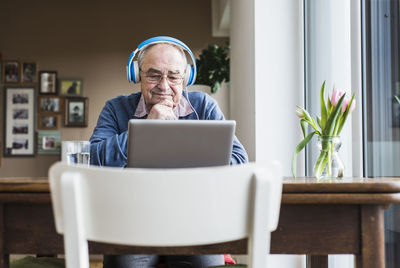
[180, 143]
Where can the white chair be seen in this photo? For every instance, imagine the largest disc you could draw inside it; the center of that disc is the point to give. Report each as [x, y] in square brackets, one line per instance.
[198, 206]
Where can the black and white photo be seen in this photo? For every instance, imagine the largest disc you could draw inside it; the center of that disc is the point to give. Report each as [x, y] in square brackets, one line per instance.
[20, 143]
[48, 82]
[20, 113]
[29, 72]
[19, 120]
[76, 112]
[48, 121]
[11, 71]
[50, 104]
[21, 128]
[20, 98]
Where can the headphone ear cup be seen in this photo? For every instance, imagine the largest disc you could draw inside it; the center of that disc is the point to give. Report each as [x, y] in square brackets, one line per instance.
[188, 75]
[135, 73]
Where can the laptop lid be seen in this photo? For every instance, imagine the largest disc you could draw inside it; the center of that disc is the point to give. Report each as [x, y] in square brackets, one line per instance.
[179, 143]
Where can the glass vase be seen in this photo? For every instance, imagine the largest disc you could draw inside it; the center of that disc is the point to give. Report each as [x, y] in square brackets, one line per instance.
[328, 164]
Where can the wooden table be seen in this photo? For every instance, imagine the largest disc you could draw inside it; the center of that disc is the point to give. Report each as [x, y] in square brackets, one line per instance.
[317, 218]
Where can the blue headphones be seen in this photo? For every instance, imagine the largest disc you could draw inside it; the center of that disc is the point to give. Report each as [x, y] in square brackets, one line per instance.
[132, 69]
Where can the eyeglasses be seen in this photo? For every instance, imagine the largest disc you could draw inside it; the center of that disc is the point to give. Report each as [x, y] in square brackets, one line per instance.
[155, 77]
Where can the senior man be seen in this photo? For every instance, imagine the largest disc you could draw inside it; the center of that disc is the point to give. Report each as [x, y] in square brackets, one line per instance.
[163, 72]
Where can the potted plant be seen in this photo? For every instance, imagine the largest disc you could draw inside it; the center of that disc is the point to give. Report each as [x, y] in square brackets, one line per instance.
[213, 66]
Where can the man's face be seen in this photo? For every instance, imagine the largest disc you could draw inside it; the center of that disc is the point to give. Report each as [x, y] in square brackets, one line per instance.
[162, 74]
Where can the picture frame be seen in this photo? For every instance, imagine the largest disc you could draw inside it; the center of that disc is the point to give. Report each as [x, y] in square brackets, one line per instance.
[70, 87]
[29, 72]
[76, 112]
[19, 121]
[49, 121]
[49, 142]
[50, 104]
[11, 71]
[48, 82]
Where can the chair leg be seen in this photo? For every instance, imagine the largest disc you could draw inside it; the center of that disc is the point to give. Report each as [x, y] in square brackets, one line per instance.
[75, 243]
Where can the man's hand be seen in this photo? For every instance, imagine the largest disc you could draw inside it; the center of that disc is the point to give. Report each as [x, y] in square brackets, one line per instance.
[162, 110]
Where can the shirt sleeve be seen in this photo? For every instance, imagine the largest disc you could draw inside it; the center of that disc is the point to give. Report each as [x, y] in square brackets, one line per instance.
[108, 143]
[239, 155]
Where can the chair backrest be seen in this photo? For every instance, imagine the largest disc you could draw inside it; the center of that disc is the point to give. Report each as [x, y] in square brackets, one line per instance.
[197, 206]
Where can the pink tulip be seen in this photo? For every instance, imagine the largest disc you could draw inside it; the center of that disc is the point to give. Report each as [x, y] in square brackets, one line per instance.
[336, 95]
[353, 106]
[346, 103]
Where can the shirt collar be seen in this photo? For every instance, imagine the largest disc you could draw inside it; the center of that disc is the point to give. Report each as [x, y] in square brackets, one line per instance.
[183, 109]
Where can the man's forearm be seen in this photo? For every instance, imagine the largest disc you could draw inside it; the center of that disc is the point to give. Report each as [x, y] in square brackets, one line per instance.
[109, 151]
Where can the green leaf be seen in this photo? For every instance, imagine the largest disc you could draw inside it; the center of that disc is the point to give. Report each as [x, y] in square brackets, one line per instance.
[344, 117]
[330, 124]
[215, 87]
[319, 122]
[303, 124]
[323, 107]
[397, 98]
[329, 107]
[300, 147]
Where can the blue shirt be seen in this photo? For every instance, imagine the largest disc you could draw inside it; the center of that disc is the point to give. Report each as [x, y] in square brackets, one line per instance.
[109, 139]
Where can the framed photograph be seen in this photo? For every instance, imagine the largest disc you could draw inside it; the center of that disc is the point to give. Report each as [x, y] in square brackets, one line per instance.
[19, 121]
[76, 112]
[48, 82]
[53, 104]
[70, 87]
[49, 121]
[11, 71]
[29, 72]
[49, 142]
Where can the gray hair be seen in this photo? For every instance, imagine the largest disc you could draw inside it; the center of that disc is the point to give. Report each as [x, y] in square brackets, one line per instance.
[143, 52]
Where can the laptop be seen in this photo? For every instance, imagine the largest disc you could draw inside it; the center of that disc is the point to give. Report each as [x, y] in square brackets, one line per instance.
[179, 143]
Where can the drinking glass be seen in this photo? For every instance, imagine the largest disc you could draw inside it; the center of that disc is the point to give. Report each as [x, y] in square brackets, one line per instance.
[76, 152]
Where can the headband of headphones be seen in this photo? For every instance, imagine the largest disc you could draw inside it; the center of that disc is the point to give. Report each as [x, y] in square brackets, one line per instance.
[132, 69]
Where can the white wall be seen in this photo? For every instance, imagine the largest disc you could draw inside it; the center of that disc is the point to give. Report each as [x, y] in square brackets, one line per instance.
[242, 82]
[278, 79]
[267, 83]
[267, 77]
